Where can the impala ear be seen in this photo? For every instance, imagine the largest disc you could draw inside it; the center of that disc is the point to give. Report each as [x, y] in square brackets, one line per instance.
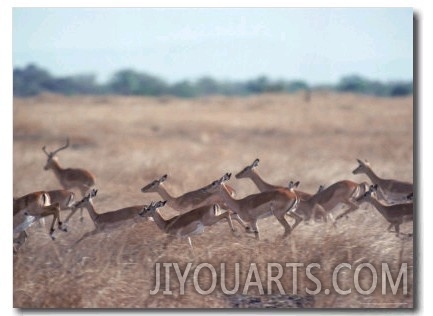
[94, 192]
[256, 162]
[163, 178]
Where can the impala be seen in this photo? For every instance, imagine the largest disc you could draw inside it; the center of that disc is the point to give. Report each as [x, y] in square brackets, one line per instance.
[251, 173]
[187, 201]
[21, 222]
[187, 224]
[69, 178]
[66, 200]
[34, 200]
[395, 214]
[388, 189]
[108, 220]
[252, 207]
[342, 192]
[38, 204]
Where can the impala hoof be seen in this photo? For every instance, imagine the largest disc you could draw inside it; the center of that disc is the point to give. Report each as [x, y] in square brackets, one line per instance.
[81, 219]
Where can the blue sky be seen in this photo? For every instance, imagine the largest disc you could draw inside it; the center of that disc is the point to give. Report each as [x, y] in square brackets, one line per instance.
[318, 45]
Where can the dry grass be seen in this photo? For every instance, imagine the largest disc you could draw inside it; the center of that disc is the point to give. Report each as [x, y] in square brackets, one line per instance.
[127, 142]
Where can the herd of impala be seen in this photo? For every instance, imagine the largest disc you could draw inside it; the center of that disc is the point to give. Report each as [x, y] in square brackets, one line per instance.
[212, 203]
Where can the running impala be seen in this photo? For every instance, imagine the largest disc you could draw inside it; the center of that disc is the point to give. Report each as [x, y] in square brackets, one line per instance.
[342, 192]
[390, 190]
[185, 202]
[66, 200]
[108, 220]
[278, 202]
[187, 224]
[38, 205]
[250, 172]
[69, 178]
[395, 214]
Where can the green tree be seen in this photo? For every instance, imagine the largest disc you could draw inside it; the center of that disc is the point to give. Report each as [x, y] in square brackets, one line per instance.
[30, 81]
[130, 82]
[183, 89]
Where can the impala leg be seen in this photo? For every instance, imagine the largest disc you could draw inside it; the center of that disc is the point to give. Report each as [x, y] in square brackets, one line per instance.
[331, 217]
[55, 218]
[84, 192]
[70, 215]
[287, 227]
[254, 229]
[389, 227]
[60, 224]
[190, 245]
[352, 207]
[318, 208]
[55, 213]
[298, 218]
[237, 218]
[397, 229]
[81, 215]
[227, 215]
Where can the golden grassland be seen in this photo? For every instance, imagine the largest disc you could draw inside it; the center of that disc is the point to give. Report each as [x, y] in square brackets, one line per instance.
[129, 141]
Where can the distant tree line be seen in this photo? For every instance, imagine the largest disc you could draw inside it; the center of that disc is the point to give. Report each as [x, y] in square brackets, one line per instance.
[33, 80]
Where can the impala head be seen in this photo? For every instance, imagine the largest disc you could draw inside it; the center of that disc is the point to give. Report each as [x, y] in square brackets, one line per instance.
[149, 210]
[293, 185]
[368, 194]
[87, 199]
[362, 167]
[52, 159]
[247, 169]
[154, 184]
[217, 184]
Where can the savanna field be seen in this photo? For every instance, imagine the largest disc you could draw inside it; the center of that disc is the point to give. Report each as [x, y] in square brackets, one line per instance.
[127, 142]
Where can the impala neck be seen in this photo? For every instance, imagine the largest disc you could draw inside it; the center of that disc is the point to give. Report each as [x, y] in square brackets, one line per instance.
[162, 223]
[227, 198]
[378, 206]
[373, 177]
[160, 189]
[259, 182]
[54, 164]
